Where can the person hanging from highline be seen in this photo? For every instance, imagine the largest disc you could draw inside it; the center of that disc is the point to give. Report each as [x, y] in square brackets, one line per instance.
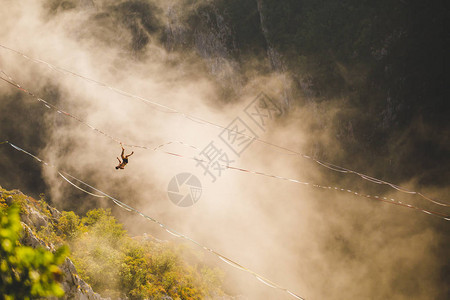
[124, 161]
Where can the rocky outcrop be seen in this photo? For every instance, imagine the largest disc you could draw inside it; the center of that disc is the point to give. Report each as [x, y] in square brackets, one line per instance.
[75, 287]
[34, 216]
[212, 38]
[30, 239]
[275, 57]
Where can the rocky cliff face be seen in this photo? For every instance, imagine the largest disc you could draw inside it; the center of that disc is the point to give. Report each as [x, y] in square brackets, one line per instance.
[220, 41]
[383, 61]
[41, 223]
[38, 214]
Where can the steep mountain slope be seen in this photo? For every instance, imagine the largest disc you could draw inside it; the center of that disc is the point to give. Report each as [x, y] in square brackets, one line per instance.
[116, 264]
[37, 214]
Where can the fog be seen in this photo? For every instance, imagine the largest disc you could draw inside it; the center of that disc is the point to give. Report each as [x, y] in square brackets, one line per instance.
[318, 243]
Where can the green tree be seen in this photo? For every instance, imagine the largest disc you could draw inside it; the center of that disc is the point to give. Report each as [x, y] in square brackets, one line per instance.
[25, 272]
[100, 222]
[97, 252]
[69, 224]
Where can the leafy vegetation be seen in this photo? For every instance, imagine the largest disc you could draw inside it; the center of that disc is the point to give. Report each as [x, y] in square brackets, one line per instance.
[26, 273]
[115, 264]
[106, 257]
